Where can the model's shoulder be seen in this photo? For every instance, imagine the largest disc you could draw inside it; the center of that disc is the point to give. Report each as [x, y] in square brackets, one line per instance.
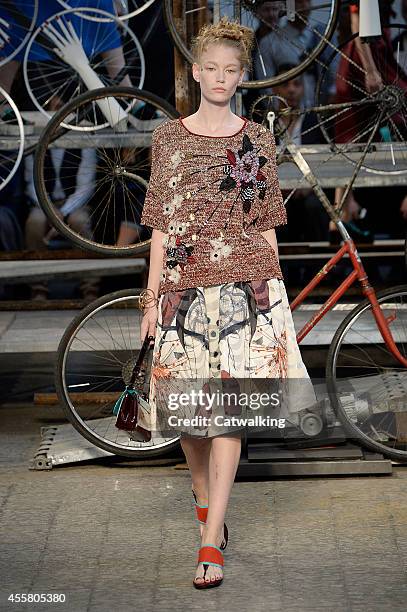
[257, 129]
[164, 132]
[166, 127]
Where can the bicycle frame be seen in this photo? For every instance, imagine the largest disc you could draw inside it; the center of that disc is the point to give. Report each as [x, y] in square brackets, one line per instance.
[358, 272]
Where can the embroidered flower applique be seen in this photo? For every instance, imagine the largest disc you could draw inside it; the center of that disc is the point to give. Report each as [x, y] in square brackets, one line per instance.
[175, 159]
[243, 171]
[174, 180]
[220, 250]
[168, 208]
[177, 200]
[178, 252]
[174, 276]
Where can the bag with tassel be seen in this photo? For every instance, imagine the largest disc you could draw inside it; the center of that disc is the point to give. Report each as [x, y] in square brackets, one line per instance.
[132, 408]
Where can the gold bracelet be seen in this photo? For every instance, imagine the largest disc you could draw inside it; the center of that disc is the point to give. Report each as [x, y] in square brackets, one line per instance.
[147, 300]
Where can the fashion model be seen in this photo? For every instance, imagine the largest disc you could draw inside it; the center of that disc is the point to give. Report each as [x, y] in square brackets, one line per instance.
[215, 299]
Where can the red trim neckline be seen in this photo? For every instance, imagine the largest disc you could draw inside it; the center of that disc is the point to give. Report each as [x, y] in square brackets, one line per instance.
[207, 136]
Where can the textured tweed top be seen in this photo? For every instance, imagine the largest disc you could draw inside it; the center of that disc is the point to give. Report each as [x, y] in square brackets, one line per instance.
[212, 196]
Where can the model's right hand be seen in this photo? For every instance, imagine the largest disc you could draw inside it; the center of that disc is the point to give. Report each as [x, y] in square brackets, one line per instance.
[149, 322]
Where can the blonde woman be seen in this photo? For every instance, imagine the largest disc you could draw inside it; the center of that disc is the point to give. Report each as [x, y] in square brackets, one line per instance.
[216, 301]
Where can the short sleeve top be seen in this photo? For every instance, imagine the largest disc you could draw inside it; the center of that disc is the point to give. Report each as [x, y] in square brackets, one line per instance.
[212, 197]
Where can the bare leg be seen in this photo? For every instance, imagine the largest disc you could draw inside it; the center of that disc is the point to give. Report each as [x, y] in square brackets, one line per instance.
[223, 462]
[350, 207]
[8, 73]
[127, 235]
[197, 451]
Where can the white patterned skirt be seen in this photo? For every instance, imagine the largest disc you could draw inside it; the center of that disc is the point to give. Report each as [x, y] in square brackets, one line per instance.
[210, 338]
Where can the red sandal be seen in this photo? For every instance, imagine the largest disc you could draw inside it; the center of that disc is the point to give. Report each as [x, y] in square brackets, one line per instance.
[209, 554]
[201, 515]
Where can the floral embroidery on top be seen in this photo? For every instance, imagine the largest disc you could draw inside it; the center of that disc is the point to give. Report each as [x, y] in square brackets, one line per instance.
[178, 252]
[220, 249]
[244, 172]
[176, 159]
[212, 198]
[174, 180]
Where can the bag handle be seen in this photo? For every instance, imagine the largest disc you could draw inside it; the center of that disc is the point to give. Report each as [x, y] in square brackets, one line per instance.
[140, 358]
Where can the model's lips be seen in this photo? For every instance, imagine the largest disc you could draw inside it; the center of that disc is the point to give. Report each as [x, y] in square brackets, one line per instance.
[218, 89]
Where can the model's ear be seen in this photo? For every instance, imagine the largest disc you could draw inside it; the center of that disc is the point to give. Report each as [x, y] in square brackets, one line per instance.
[195, 71]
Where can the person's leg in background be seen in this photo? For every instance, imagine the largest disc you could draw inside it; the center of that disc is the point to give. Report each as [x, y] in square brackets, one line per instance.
[316, 229]
[36, 228]
[292, 232]
[80, 221]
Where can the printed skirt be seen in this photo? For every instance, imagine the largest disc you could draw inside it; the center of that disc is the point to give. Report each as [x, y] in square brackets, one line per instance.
[209, 339]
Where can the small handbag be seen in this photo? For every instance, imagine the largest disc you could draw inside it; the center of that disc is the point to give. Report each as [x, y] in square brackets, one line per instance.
[132, 408]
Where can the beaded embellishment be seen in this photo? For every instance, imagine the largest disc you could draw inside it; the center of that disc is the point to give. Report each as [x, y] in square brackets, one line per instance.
[243, 171]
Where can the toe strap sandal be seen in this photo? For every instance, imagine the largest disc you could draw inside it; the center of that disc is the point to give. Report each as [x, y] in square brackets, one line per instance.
[201, 515]
[209, 555]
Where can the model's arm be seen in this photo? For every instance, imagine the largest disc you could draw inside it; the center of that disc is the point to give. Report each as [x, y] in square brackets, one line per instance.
[270, 236]
[150, 314]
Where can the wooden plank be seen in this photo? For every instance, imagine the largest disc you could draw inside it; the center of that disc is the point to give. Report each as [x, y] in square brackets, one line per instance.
[21, 271]
[53, 255]
[46, 305]
[82, 399]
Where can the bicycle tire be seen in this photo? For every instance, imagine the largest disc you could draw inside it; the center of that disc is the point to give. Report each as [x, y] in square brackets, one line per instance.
[254, 84]
[22, 21]
[124, 17]
[62, 392]
[48, 136]
[18, 139]
[331, 368]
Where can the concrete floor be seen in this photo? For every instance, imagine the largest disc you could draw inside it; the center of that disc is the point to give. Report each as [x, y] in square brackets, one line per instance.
[112, 535]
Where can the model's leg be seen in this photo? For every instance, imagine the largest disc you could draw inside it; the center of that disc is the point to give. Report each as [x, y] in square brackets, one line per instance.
[196, 451]
[223, 463]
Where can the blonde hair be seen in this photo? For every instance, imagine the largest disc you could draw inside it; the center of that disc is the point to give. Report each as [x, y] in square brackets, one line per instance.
[230, 33]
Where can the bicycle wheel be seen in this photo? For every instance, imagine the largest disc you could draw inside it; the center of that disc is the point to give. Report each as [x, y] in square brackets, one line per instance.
[113, 179]
[316, 21]
[366, 383]
[102, 52]
[95, 360]
[378, 118]
[124, 9]
[17, 22]
[12, 138]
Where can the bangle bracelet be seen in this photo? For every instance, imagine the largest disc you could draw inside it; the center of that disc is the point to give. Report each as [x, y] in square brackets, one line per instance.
[147, 299]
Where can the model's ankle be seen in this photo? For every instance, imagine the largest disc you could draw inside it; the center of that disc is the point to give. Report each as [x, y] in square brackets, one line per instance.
[211, 535]
[201, 496]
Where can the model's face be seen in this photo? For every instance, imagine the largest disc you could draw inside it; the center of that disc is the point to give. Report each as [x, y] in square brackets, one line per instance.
[219, 73]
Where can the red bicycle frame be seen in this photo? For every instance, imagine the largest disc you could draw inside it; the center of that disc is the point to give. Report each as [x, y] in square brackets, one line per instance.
[359, 274]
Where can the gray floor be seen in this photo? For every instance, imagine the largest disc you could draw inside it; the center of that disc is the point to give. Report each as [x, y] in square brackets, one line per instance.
[117, 536]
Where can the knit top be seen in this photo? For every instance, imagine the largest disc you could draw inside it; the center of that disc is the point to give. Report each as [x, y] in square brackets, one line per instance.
[212, 196]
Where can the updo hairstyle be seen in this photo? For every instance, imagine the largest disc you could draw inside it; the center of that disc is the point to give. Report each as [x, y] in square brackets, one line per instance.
[230, 33]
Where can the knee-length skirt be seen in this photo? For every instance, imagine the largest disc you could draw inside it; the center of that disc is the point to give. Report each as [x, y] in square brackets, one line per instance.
[235, 332]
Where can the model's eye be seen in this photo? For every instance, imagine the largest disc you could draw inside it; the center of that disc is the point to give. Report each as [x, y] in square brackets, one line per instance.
[230, 70]
[210, 68]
